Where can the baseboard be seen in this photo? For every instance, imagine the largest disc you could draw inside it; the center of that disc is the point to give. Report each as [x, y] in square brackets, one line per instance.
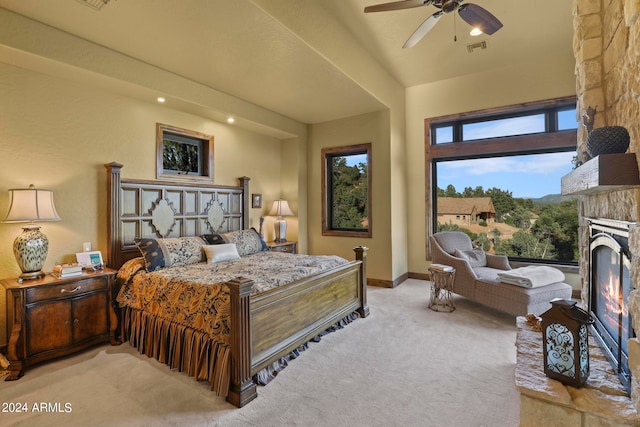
[420, 276]
[387, 283]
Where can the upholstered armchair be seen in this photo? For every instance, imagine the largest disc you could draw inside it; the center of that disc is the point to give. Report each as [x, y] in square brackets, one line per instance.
[477, 277]
[455, 248]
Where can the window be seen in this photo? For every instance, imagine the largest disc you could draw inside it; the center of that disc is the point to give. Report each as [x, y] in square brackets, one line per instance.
[183, 154]
[500, 171]
[346, 191]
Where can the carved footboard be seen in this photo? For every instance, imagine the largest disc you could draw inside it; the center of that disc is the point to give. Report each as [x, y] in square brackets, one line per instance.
[270, 325]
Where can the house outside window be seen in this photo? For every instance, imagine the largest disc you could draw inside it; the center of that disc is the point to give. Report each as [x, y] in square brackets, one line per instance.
[500, 170]
[346, 191]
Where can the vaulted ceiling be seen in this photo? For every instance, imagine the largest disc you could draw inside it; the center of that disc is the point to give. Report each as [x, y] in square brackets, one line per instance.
[246, 49]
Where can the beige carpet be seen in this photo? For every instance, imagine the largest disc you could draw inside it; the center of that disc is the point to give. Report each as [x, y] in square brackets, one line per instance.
[404, 365]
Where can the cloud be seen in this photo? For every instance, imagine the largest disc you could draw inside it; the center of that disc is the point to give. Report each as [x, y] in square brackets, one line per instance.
[504, 127]
[530, 164]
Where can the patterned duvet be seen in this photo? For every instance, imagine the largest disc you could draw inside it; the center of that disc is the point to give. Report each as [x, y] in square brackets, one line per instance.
[195, 295]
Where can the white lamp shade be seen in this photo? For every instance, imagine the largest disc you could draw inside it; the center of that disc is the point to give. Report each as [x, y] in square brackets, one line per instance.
[31, 204]
[280, 208]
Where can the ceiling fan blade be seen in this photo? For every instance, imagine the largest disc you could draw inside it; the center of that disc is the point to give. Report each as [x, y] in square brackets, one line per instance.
[479, 17]
[423, 29]
[396, 5]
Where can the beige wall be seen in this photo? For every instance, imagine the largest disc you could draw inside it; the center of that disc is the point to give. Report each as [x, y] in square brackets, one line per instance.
[57, 135]
[313, 24]
[506, 86]
[373, 128]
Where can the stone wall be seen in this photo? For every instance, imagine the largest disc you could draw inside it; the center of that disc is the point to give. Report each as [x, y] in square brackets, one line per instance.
[606, 45]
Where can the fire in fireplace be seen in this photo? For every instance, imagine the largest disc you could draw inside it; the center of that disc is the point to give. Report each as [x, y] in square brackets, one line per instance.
[610, 285]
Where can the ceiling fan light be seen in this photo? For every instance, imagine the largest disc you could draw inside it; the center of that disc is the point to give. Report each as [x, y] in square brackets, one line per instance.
[475, 31]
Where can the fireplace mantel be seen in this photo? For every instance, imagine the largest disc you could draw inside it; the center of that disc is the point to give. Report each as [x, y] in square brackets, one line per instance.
[606, 172]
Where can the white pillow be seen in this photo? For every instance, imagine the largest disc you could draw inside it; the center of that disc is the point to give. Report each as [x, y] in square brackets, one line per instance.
[217, 253]
[476, 257]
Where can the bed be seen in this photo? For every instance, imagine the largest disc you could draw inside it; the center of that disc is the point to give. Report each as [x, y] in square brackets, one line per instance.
[260, 327]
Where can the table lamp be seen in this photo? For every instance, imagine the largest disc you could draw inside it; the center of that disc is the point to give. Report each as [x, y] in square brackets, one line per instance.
[280, 208]
[30, 248]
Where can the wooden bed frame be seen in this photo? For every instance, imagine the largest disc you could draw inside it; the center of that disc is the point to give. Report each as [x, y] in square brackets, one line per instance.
[264, 327]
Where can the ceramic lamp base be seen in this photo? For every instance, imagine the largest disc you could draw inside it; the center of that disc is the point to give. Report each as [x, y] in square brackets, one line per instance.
[30, 249]
[280, 228]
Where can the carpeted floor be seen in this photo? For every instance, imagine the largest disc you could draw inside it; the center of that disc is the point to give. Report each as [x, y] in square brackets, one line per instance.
[404, 365]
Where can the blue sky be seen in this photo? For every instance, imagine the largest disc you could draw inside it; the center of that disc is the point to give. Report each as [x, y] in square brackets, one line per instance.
[529, 176]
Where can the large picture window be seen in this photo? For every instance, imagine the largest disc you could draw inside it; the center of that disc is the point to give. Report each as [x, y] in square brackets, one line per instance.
[346, 191]
[496, 176]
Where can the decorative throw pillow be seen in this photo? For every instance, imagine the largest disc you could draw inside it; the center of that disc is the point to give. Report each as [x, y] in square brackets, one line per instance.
[247, 241]
[223, 252]
[476, 257]
[170, 252]
[213, 239]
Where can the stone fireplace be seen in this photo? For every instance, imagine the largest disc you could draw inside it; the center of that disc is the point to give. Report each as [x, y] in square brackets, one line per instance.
[606, 47]
[609, 289]
[621, 205]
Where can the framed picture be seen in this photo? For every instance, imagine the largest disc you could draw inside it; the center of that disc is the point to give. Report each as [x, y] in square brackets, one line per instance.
[183, 154]
[256, 200]
[91, 259]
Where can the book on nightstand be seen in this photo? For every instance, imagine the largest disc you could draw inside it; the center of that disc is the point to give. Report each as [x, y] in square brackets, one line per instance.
[67, 270]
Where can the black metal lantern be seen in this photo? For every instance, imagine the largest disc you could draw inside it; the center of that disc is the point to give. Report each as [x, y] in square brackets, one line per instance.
[565, 340]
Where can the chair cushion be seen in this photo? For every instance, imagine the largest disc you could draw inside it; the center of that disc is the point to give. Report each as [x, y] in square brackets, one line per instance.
[449, 241]
[475, 257]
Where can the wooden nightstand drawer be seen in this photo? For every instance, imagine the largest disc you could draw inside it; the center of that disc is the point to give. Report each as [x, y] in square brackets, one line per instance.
[66, 290]
[288, 247]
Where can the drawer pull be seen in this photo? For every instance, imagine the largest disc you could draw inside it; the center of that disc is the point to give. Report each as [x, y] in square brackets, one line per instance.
[76, 289]
[75, 321]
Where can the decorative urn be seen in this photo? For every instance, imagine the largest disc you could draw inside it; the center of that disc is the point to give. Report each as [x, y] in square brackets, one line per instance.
[565, 341]
[607, 140]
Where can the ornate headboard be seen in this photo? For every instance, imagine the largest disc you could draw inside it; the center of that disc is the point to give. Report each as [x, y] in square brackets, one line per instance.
[140, 208]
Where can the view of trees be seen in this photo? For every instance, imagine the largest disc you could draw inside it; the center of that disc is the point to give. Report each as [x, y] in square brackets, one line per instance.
[545, 229]
[349, 194]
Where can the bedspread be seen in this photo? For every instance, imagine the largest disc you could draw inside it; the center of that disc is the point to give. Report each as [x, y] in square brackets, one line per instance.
[195, 295]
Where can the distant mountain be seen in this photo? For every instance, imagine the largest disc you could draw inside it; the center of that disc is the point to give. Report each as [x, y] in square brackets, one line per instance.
[551, 199]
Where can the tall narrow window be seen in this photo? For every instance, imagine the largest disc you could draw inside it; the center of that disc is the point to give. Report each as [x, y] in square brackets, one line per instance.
[346, 191]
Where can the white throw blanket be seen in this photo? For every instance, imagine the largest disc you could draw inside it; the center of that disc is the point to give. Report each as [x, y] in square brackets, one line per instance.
[532, 276]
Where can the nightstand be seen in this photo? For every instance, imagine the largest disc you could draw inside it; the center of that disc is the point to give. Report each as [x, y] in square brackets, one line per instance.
[52, 317]
[289, 247]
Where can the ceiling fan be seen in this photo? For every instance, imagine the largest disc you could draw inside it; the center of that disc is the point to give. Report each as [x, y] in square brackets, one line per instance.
[472, 14]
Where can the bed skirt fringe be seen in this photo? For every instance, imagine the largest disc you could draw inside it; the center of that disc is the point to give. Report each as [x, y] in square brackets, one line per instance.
[196, 353]
[184, 349]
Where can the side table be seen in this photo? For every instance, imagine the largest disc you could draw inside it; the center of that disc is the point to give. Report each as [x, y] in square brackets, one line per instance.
[51, 317]
[288, 246]
[441, 288]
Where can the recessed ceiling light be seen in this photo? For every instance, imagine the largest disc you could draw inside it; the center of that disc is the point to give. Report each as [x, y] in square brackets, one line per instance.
[231, 120]
[161, 99]
[475, 32]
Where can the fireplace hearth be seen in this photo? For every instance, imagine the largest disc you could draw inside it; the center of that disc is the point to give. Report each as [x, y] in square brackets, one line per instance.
[609, 287]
